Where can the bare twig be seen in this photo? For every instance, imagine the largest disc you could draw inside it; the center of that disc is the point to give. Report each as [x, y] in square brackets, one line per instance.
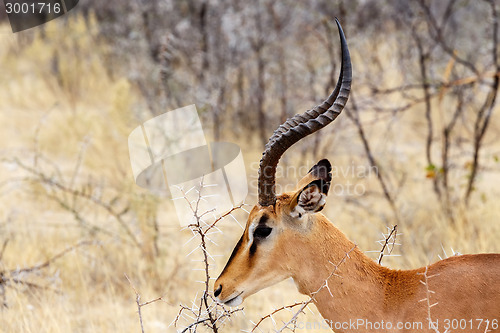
[391, 236]
[484, 114]
[4, 245]
[436, 32]
[270, 315]
[424, 55]
[427, 299]
[354, 116]
[445, 155]
[138, 301]
[17, 276]
[83, 193]
[49, 261]
[304, 304]
[205, 310]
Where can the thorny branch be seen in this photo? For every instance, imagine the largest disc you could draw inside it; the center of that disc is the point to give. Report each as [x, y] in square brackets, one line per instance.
[293, 320]
[209, 312]
[270, 315]
[427, 299]
[204, 310]
[387, 244]
[391, 237]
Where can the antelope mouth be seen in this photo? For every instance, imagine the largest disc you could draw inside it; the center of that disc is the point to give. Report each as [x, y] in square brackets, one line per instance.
[235, 301]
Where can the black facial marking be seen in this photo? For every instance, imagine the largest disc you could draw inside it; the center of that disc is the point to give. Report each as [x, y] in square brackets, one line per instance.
[253, 248]
[236, 248]
[260, 232]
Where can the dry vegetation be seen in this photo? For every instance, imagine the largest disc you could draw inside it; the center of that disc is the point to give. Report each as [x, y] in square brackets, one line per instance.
[70, 94]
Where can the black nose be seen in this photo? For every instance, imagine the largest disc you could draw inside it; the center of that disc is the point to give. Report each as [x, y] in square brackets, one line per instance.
[218, 290]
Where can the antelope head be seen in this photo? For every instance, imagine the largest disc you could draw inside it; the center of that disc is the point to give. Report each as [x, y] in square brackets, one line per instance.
[279, 224]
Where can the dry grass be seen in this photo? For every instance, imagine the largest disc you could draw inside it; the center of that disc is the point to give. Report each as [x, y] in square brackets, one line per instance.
[78, 113]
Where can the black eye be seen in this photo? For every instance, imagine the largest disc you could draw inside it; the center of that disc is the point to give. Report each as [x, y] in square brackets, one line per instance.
[262, 232]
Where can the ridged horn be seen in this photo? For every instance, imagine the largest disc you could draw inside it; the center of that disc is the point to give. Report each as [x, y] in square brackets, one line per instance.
[301, 125]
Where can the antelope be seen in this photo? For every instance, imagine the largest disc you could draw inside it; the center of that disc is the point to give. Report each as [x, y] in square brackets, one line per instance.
[286, 236]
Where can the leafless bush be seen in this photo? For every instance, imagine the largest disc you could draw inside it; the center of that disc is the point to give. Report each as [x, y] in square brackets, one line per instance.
[52, 183]
[30, 276]
[228, 57]
[204, 310]
[141, 304]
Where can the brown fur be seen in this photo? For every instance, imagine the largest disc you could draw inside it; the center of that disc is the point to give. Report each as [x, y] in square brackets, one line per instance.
[464, 287]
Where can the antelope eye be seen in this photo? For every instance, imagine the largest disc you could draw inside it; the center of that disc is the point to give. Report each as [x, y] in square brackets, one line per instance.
[262, 232]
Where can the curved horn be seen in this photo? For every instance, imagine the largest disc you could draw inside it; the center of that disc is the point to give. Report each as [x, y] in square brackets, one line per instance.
[301, 125]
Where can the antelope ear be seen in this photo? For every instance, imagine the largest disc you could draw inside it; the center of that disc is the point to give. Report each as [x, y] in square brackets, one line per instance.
[311, 198]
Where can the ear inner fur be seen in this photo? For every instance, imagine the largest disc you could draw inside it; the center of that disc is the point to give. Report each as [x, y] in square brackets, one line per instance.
[311, 197]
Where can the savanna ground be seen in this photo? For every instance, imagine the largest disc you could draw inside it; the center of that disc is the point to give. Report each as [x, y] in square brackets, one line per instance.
[69, 98]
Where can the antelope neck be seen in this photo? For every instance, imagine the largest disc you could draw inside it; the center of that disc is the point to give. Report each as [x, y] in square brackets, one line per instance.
[355, 284]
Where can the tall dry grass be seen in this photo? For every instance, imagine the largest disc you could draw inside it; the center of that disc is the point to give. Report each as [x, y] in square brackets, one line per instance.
[65, 117]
